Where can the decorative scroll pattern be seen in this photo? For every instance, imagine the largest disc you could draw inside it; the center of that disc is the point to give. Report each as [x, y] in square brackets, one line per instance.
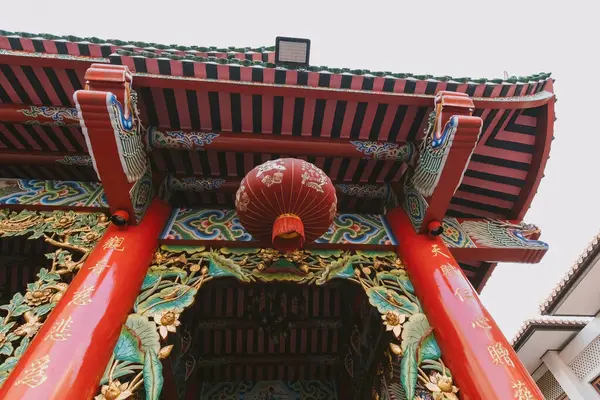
[385, 151]
[74, 235]
[368, 191]
[52, 193]
[141, 194]
[194, 184]
[503, 234]
[58, 115]
[289, 390]
[454, 235]
[128, 136]
[357, 229]
[84, 161]
[179, 140]
[191, 224]
[433, 153]
[178, 272]
[415, 206]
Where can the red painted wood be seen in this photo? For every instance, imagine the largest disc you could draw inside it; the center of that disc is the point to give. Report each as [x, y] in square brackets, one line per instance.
[465, 347]
[460, 106]
[291, 146]
[15, 113]
[543, 141]
[101, 81]
[76, 365]
[210, 85]
[33, 157]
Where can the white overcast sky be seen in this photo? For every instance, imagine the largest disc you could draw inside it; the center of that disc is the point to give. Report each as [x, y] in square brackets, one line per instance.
[458, 38]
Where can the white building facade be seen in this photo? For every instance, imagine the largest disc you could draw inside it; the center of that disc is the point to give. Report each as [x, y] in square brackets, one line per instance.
[561, 349]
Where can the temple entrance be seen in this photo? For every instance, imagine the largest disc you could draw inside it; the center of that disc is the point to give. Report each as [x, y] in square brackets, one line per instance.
[281, 341]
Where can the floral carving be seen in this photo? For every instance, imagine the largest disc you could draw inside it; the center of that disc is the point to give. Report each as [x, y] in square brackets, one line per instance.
[73, 235]
[178, 272]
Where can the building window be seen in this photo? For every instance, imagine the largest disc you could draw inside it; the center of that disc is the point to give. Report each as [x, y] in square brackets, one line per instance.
[596, 383]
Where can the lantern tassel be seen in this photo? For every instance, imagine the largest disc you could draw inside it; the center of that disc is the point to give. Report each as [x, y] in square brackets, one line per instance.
[288, 233]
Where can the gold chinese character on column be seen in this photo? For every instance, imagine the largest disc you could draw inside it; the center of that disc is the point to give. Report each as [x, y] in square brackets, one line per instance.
[482, 322]
[435, 250]
[83, 297]
[99, 267]
[35, 375]
[60, 330]
[522, 392]
[500, 355]
[448, 270]
[114, 243]
[463, 294]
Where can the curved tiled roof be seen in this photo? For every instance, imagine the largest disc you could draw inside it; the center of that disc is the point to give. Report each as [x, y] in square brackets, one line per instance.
[232, 56]
[582, 263]
[547, 321]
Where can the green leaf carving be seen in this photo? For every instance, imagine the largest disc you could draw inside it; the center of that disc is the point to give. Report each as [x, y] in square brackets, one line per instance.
[414, 330]
[154, 275]
[153, 378]
[385, 300]
[409, 371]
[220, 266]
[399, 277]
[323, 253]
[44, 309]
[189, 250]
[15, 302]
[174, 298]
[429, 349]
[22, 347]
[46, 276]
[6, 328]
[137, 336]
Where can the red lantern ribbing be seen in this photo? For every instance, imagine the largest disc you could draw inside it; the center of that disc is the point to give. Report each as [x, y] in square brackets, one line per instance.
[287, 201]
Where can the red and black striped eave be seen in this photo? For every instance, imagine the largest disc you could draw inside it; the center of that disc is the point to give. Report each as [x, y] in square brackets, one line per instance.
[234, 348]
[500, 168]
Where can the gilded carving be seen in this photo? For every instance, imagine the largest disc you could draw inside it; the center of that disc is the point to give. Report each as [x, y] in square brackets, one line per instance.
[178, 272]
[73, 235]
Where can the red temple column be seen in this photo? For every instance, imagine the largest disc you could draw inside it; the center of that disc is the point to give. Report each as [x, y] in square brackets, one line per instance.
[482, 361]
[68, 356]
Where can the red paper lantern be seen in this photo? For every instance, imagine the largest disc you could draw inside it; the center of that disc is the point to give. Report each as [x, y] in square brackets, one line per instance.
[286, 201]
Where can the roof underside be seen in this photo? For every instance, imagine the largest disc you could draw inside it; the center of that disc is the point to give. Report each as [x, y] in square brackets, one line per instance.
[44, 70]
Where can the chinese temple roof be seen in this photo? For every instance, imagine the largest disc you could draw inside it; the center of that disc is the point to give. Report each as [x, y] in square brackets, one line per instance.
[240, 92]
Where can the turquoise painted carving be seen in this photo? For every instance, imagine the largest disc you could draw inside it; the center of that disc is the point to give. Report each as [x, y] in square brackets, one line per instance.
[192, 224]
[52, 193]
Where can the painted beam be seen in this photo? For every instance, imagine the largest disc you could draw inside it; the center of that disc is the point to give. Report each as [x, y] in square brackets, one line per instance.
[31, 114]
[222, 227]
[469, 240]
[39, 194]
[289, 145]
[43, 158]
[108, 115]
[443, 158]
[197, 184]
[493, 240]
